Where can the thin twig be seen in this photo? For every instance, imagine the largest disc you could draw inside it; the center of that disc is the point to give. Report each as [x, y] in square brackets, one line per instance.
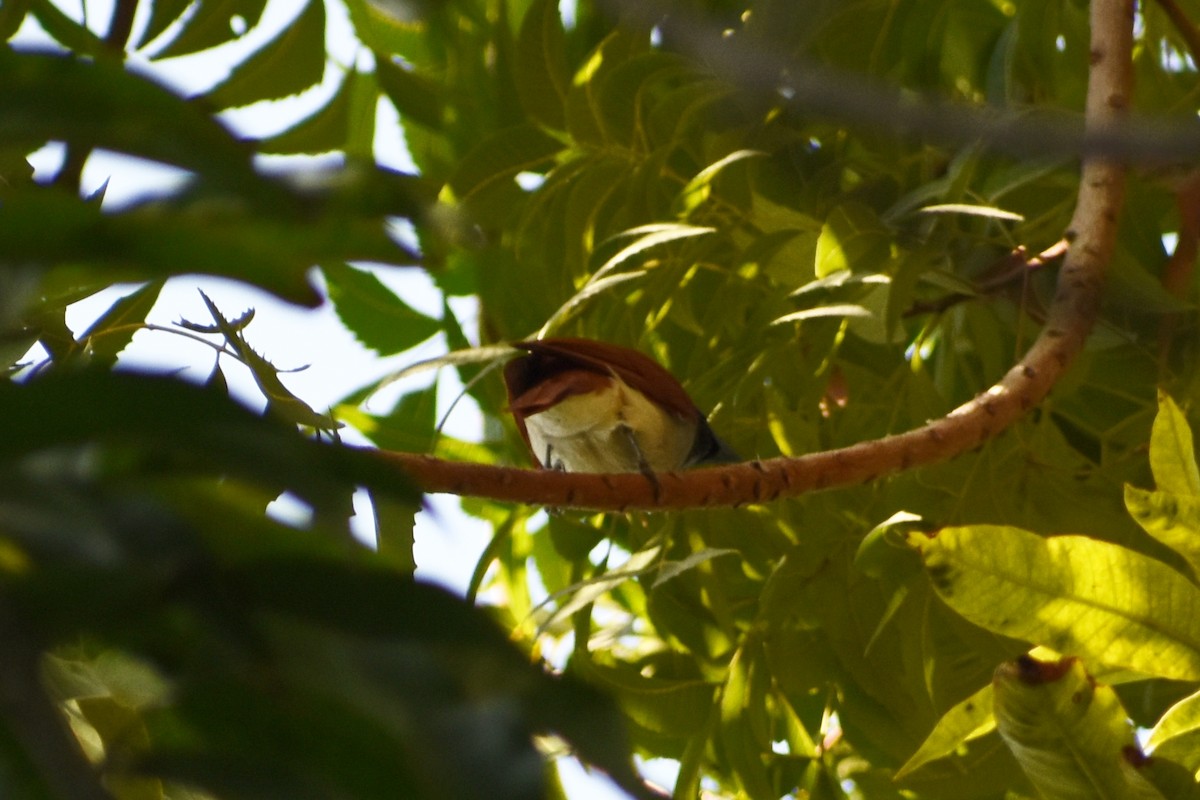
[1013, 266]
[120, 25]
[1187, 28]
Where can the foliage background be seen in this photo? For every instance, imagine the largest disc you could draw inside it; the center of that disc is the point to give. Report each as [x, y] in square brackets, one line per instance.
[814, 281]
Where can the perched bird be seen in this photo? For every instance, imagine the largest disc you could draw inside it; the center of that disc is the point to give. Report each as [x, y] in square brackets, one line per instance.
[588, 406]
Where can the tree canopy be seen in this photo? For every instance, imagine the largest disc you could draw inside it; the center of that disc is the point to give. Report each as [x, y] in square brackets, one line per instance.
[929, 264]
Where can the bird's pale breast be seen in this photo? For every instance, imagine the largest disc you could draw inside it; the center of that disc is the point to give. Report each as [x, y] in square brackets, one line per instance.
[589, 432]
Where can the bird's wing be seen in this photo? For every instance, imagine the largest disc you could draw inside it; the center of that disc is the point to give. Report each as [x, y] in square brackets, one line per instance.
[637, 370]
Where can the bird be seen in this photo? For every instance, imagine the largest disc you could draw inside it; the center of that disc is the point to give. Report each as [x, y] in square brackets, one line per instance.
[583, 405]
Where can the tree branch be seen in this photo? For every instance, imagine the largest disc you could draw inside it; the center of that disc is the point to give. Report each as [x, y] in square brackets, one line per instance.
[1092, 237]
[754, 63]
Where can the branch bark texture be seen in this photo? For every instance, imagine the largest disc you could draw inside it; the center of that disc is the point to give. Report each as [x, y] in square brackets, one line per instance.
[1092, 236]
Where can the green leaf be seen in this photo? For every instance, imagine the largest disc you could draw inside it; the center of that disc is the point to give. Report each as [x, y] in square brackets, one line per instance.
[373, 313]
[424, 643]
[1073, 594]
[646, 237]
[968, 209]
[1177, 734]
[883, 552]
[12, 14]
[1135, 287]
[109, 335]
[394, 524]
[671, 569]
[498, 159]
[542, 76]
[162, 14]
[281, 401]
[415, 97]
[677, 112]
[360, 119]
[124, 736]
[585, 109]
[620, 93]
[133, 682]
[593, 185]
[1170, 518]
[325, 129]
[117, 724]
[288, 64]
[211, 24]
[700, 188]
[410, 427]
[853, 239]
[71, 34]
[1172, 451]
[669, 707]
[272, 245]
[968, 720]
[838, 310]
[244, 742]
[583, 593]
[744, 728]
[1173, 781]
[593, 288]
[1070, 735]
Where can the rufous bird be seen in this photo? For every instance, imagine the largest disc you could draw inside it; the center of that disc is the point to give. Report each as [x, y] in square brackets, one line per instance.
[588, 406]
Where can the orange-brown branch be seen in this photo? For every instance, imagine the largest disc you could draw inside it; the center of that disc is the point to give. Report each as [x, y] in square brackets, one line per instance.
[1092, 237]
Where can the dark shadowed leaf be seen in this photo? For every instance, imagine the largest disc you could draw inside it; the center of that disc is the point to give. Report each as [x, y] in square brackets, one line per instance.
[153, 243]
[394, 523]
[109, 335]
[543, 78]
[373, 313]
[12, 14]
[65, 30]
[212, 22]
[497, 160]
[170, 425]
[90, 104]
[214, 234]
[415, 96]
[162, 14]
[287, 65]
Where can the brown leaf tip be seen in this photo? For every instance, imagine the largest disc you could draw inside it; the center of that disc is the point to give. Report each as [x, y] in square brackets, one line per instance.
[1030, 671]
[1134, 756]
